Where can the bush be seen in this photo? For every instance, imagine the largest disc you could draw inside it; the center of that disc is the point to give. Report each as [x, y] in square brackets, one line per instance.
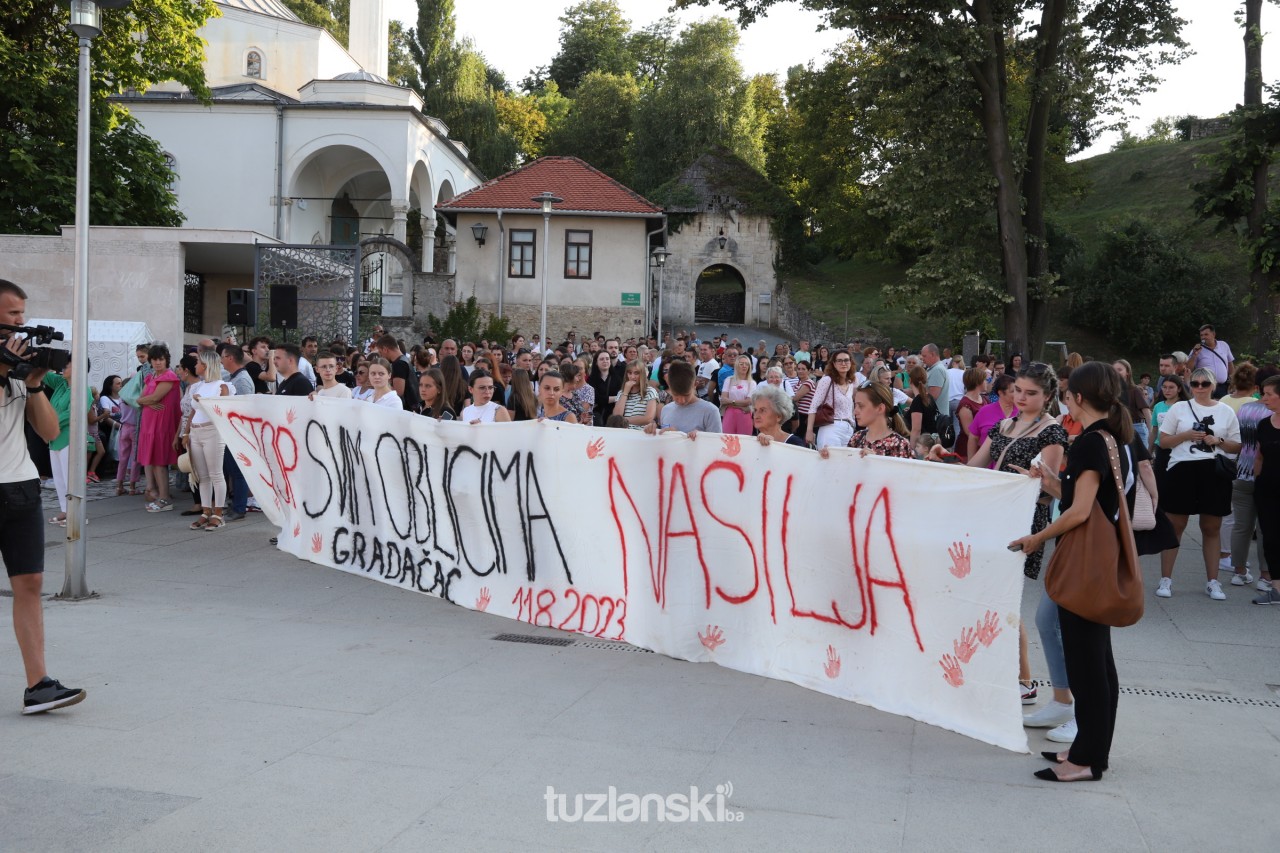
[466, 322]
[1147, 293]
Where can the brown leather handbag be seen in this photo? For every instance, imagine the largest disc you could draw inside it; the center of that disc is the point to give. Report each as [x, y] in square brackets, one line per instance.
[825, 414]
[1094, 570]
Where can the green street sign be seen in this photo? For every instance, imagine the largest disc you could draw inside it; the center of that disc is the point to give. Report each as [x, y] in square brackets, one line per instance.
[630, 300]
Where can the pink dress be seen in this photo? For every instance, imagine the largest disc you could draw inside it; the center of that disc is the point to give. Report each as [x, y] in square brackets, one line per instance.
[737, 421]
[155, 436]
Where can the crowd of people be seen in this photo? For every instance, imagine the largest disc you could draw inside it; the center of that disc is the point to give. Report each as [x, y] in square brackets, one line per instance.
[1195, 437]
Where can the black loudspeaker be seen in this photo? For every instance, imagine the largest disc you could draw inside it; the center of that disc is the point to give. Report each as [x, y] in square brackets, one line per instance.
[284, 306]
[242, 307]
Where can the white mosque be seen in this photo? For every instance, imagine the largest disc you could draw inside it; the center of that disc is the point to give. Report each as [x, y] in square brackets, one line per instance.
[305, 143]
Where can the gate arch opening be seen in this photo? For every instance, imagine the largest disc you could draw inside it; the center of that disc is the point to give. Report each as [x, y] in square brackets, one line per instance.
[720, 296]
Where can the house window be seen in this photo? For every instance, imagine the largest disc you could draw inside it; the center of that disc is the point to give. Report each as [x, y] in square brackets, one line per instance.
[577, 254]
[253, 64]
[521, 254]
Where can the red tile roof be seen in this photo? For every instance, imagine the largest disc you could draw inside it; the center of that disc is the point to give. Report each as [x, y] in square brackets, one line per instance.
[584, 188]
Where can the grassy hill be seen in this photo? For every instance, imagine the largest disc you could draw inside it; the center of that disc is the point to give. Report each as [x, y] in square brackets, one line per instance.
[1151, 182]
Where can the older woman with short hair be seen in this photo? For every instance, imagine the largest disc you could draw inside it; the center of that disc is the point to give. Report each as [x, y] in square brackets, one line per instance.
[771, 407]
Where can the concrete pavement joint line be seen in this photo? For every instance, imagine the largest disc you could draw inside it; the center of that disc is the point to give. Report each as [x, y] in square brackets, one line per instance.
[1201, 697]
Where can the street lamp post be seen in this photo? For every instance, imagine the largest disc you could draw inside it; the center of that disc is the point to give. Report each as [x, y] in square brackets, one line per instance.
[546, 199]
[660, 255]
[86, 23]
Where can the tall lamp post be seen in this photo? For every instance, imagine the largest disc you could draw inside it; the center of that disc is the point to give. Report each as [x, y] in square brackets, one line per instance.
[86, 23]
[660, 255]
[546, 199]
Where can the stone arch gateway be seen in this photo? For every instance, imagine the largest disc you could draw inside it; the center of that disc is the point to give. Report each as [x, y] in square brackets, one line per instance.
[720, 296]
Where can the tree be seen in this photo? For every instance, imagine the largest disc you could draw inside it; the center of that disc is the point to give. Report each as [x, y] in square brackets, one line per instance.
[698, 103]
[598, 129]
[400, 67]
[333, 15]
[1111, 48]
[434, 52]
[466, 322]
[651, 46]
[1144, 290]
[594, 36]
[519, 116]
[1236, 194]
[130, 178]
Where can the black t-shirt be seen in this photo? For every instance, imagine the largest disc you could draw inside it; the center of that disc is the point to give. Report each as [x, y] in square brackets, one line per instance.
[255, 373]
[929, 421]
[296, 385]
[1269, 447]
[409, 398]
[347, 378]
[1089, 453]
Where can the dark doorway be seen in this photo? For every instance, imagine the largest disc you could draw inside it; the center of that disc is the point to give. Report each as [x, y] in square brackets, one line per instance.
[720, 297]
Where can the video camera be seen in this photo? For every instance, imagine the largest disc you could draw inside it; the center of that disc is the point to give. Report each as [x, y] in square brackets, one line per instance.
[36, 357]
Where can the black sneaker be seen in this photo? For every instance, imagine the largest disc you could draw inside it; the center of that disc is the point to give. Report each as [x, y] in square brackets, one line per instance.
[274, 540]
[232, 515]
[48, 695]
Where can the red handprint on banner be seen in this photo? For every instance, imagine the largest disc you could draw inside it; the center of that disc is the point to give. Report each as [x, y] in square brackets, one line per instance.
[482, 603]
[961, 564]
[832, 666]
[714, 638]
[989, 628]
[244, 460]
[291, 416]
[966, 645]
[317, 543]
[297, 531]
[732, 445]
[951, 671]
[217, 410]
[595, 448]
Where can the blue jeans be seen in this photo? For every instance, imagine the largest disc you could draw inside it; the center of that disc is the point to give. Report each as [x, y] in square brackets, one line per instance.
[1051, 640]
[1140, 430]
[237, 485]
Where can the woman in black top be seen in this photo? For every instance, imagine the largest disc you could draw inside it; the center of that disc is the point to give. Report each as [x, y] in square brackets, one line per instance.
[1095, 399]
[598, 379]
[1266, 484]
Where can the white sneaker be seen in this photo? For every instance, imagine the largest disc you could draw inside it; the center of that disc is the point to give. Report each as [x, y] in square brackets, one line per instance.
[1213, 589]
[1224, 565]
[1264, 585]
[1051, 715]
[1065, 733]
[1242, 579]
[1165, 590]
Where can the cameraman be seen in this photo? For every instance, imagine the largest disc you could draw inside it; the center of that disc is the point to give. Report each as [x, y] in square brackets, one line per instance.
[21, 525]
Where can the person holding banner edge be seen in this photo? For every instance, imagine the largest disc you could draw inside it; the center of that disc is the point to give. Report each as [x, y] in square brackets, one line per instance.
[1095, 400]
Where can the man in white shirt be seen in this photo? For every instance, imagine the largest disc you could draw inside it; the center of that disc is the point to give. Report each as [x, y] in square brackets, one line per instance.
[707, 369]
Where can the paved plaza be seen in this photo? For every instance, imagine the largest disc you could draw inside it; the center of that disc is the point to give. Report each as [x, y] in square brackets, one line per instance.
[240, 699]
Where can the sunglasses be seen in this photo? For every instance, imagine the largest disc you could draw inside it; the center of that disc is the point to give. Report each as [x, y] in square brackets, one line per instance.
[1201, 384]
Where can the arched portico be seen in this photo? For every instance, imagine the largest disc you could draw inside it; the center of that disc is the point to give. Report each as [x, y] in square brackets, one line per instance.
[340, 193]
[720, 295]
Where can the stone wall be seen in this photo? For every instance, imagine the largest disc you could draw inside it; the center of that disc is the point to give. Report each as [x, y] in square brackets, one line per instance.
[612, 322]
[750, 249]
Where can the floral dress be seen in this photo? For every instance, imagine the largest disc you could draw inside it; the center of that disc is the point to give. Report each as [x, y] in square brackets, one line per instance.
[891, 445]
[1021, 451]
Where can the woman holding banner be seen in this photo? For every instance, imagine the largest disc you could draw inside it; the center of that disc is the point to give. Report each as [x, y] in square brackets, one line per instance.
[771, 407]
[1095, 398]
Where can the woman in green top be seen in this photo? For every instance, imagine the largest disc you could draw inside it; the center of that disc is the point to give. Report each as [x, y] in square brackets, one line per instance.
[59, 386]
[1172, 390]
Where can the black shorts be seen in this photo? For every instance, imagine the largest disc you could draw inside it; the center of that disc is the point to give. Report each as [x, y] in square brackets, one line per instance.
[22, 533]
[1193, 488]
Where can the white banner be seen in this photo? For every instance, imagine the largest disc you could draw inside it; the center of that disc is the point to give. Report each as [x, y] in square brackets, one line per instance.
[883, 581]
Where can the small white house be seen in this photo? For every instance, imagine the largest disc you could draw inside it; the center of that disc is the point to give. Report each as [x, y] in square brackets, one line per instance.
[593, 249]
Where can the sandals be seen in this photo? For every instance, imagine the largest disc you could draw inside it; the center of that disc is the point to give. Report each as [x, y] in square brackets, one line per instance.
[92, 478]
[120, 489]
[201, 522]
[215, 522]
[61, 522]
[160, 505]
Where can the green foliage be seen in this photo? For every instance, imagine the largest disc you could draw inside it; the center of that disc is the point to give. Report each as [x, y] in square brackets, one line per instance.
[598, 129]
[594, 36]
[333, 15]
[400, 67]
[519, 116]
[1162, 130]
[129, 178]
[466, 322]
[698, 103]
[1146, 291]
[1226, 196]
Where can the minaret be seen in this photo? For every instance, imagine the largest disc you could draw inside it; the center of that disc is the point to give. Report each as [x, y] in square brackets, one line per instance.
[369, 32]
